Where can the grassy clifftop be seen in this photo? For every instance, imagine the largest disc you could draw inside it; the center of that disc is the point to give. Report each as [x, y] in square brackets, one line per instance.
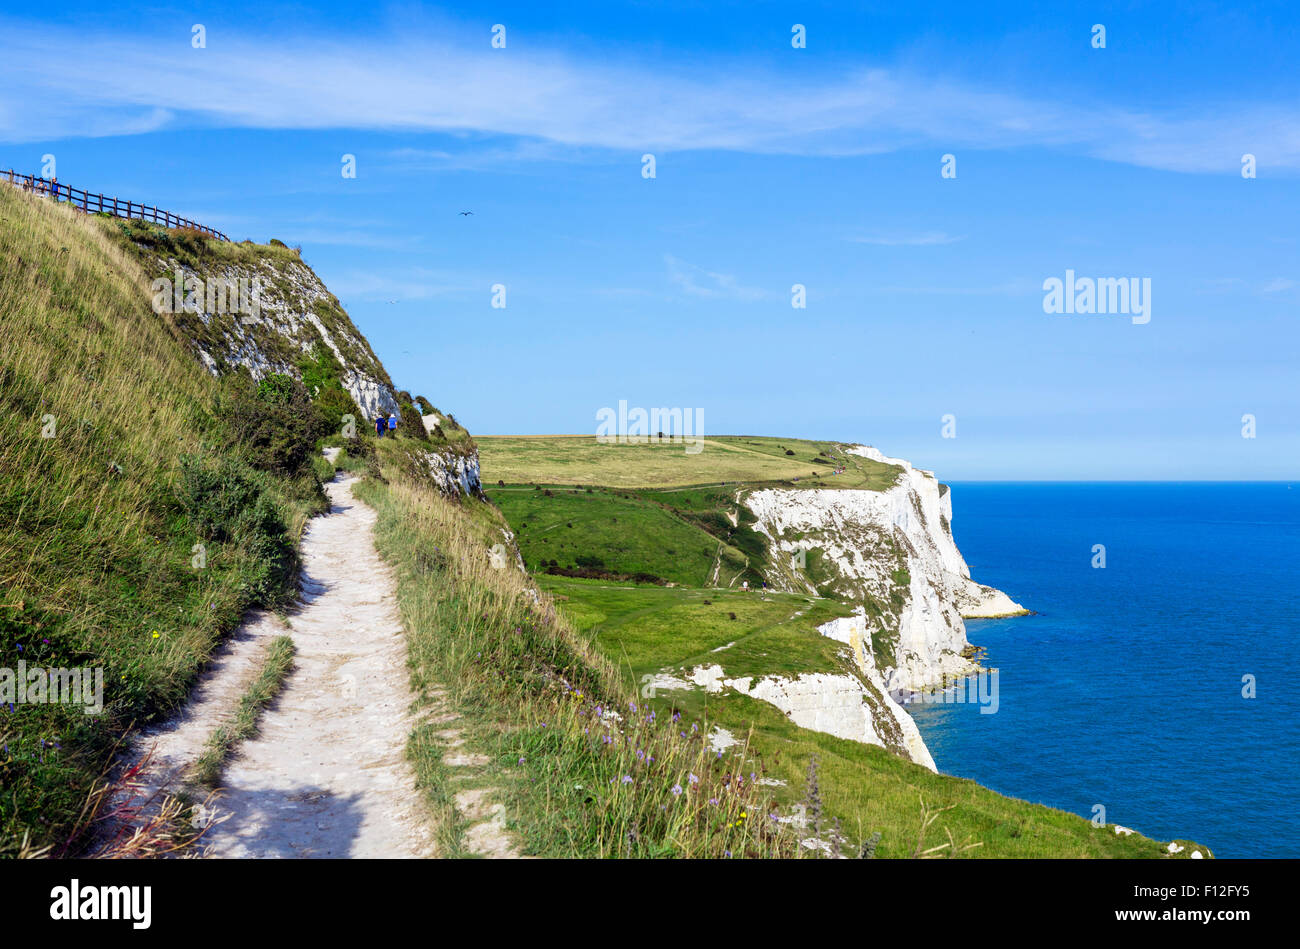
[582, 460]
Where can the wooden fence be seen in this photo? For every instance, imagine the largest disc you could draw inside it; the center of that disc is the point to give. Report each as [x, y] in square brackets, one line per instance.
[101, 204]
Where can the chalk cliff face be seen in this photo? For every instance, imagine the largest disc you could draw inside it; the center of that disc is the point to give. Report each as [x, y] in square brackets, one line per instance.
[846, 705]
[454, 472]
[893, 551]
[209, 299]
[889, 556]
[295, 312]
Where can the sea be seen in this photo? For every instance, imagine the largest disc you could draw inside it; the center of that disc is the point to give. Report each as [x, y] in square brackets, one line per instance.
[1159, 677]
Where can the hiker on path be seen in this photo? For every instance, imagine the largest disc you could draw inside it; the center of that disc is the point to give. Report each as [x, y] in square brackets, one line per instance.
[392, 424]
[379, 426]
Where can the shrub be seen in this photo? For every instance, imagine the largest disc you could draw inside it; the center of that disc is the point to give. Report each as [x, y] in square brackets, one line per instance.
[412, 423]
[322, 377]
[274, 421]
[228, 502]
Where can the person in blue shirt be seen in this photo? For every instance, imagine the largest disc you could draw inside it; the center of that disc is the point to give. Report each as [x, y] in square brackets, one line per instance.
[379, 426]
[392, 424]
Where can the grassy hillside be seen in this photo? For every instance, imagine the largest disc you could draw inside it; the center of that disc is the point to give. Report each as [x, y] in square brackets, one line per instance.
[119, 456]
[581, 460]
[580, 507]
[617, 531]
[645, 630]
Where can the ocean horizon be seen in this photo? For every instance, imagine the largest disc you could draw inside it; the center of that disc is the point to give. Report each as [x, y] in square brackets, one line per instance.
[1125, 688]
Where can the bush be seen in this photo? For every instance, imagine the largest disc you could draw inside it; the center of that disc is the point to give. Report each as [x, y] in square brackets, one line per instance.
[412, 422]
[322, 467]
[274, 422]
[322, 377]
[227, 502]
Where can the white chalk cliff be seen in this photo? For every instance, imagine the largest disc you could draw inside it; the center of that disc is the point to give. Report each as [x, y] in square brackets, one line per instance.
[890, 557]
[295, 312]
[894, 550]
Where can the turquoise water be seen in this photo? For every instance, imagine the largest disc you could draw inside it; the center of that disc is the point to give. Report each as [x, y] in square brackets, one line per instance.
[1126, 689]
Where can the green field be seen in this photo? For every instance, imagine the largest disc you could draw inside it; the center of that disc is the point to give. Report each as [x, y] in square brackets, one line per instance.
[648, 629]
[653, 509]
[729, 459]
[626, 532]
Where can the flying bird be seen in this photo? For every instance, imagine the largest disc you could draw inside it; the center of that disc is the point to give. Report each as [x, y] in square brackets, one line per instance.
[464, 213]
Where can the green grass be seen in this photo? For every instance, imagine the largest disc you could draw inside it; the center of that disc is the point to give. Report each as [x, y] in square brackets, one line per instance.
[648, 629]
[871, 790]
[581, 460]
[276, 666]
[624, 532]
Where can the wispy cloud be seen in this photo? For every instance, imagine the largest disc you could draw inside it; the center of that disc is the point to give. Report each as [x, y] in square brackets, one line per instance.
[414, 283]
[697, 282]
[910, 240]
[58, 85]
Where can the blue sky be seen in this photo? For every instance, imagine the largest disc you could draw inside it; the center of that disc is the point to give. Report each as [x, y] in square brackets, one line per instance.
[774, 166]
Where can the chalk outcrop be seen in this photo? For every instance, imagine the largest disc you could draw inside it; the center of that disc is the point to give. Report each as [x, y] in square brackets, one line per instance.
[895, 550]
[294, 312]
[855, 707]
[454, 472]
